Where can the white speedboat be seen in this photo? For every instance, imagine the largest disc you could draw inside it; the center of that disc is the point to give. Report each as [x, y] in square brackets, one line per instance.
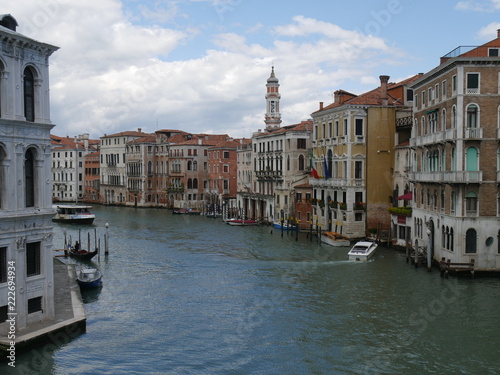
[335, 239]
[74, 214]
[362, 250]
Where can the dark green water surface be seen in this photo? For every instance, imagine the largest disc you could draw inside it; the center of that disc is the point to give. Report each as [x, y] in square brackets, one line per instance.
[192, 295]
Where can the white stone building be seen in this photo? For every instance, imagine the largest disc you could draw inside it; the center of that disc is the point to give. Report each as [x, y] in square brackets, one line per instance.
[25, 179]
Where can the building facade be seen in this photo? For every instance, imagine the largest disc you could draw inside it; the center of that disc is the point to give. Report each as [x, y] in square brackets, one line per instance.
[25, 179]
[353, 157]
[455, 157]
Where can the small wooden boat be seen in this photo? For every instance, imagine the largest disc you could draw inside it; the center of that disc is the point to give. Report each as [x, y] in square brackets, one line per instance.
[73, 214]
[89, 278]
[334, 239]
[241, 222]
[363, 250]
[81, 254]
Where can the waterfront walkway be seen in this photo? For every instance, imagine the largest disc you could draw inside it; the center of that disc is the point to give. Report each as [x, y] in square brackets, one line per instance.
[69, 320]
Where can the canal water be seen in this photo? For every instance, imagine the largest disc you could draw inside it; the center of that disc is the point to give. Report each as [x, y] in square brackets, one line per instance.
[192, 295]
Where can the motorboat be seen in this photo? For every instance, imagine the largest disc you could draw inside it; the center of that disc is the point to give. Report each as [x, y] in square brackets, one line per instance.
[241, 222]
[73, 214]
[89, 278]
[335, 239]
[362, 250]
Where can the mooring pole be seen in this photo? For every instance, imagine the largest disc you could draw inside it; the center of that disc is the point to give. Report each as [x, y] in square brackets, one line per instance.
[106, 241]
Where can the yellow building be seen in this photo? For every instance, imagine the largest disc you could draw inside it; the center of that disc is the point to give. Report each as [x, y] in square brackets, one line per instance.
[353, 158]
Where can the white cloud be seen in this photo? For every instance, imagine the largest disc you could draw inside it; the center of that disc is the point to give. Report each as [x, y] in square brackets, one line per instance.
[112, 75]
[478, 6]
[489, 32]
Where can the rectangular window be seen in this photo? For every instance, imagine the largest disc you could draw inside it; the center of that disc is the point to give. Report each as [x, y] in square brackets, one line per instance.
[431, 94]
[436, 92]
[454, 84]
[3, 264]
[358, 169]
[34, 305]
[409, 95]
[443, 91]
[226, 154]
[33, 259]
[301, 143]
[493, 52]
[359, 127]
[423, 98]
[472, 83]
[3, 313]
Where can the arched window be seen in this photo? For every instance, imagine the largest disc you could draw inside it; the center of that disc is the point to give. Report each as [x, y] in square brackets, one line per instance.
[472, 159]
[190, 183]
[29, 95]
[443, 119]
[195, 183]
[189, 165]
[472, 116]
[150, 168]
[454, 117]
[452, 241]
[29, 177]
[453, 202]
[288, 163]
[470, 241]
[195, 165]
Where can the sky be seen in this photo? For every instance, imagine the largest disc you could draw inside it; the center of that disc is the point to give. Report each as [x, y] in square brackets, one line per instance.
[201, 66]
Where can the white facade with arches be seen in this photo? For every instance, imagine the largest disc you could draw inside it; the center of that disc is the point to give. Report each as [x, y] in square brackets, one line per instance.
[25, 177]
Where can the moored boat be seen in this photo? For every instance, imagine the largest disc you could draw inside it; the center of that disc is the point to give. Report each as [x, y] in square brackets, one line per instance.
[334, 239]
[284, 226]
[362, 250]
[89, 278]
[240, 222]
[73, 214]
[186, 211]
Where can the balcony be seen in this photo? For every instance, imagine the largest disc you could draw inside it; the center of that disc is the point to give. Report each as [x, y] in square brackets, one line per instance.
[447, 176]
[450, 134]
[473, 133]
[336, 182]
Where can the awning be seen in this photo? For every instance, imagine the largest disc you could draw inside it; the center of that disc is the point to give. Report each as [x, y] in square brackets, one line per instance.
[406, 197]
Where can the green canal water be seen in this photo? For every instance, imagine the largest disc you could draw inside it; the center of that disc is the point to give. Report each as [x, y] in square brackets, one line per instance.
[192, 295]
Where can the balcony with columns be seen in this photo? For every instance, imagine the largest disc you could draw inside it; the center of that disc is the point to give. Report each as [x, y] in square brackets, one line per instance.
[449, 177]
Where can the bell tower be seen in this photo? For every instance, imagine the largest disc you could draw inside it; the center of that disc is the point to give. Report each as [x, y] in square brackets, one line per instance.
[273, 115]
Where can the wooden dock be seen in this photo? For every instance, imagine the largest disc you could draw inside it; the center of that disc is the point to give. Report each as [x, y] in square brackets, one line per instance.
[446, 266]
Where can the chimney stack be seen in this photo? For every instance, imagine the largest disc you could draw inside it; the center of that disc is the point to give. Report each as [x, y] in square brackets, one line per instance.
[498, 33]
[320, 106]
[139, 130]
[336, 96]
[383, 89]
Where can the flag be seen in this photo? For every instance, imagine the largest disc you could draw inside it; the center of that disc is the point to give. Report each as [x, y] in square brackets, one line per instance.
[314, 172]
[327, 172]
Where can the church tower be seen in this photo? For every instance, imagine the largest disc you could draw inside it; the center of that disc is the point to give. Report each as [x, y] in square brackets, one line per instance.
[273, 115]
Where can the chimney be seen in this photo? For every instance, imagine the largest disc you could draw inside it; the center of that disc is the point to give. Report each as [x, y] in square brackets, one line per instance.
[498, 33]
[320, 106]
[139, 130]
[336, 96]
[383, 89]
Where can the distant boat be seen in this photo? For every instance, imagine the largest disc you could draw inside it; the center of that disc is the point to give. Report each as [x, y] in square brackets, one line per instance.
[186, 211]
[363, 250]
[73, 214]
[89, 278]
[285, 226]
[82, 254]
[335, 239]
[241, 222]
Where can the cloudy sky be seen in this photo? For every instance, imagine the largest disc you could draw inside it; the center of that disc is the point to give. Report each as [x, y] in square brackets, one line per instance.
[201, 65]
